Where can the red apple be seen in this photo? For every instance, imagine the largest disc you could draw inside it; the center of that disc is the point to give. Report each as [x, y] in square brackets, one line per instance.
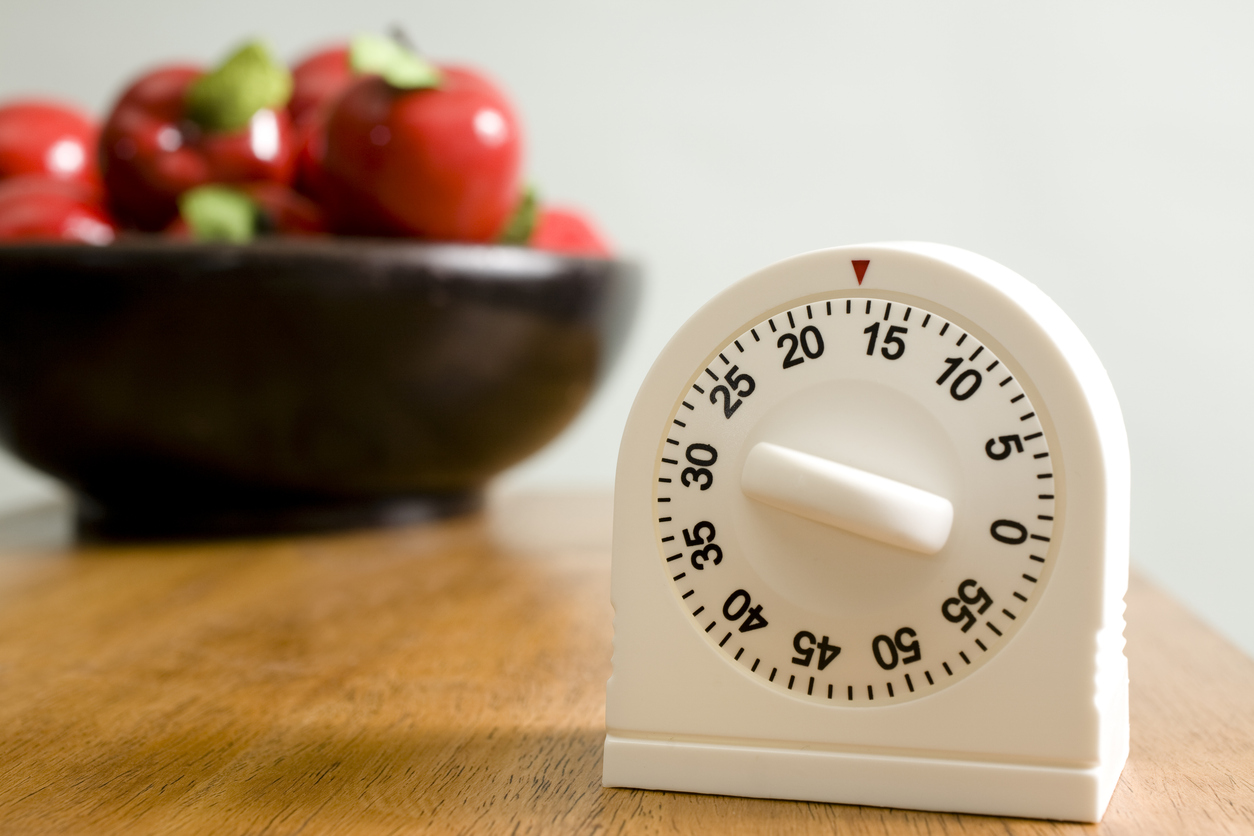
[318, 79]
[178, 127]
[38, 207]
[43, 137]
[568, 231]
[437, 162]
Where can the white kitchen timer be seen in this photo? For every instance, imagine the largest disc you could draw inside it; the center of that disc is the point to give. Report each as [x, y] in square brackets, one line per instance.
[871, 546]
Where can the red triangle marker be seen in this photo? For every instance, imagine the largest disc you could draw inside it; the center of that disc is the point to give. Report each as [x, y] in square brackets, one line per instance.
[859, 268]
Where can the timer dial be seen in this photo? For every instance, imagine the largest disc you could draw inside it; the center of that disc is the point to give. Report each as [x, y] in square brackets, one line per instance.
[858, 499]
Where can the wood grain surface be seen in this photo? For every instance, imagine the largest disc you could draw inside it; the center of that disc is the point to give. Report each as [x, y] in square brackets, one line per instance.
[434, 680]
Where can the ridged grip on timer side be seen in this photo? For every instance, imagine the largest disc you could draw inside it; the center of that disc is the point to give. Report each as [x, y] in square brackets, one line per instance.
[1043, 706]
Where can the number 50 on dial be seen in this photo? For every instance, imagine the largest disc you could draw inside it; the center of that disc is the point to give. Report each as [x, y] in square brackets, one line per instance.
[871, 523]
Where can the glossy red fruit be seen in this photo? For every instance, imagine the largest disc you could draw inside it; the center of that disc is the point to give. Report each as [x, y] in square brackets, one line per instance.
[151, 152]
[43, 137]
[567, 231]
[285, 211]
[38, 207]
[318, 79]
[439, 163]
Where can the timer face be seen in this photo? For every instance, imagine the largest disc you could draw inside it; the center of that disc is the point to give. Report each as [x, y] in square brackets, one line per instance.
[906, 397]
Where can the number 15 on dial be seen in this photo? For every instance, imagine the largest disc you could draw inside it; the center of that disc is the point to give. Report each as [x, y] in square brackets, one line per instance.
[871, 523]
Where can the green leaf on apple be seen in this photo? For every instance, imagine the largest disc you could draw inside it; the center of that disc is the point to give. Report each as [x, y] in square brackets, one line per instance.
[219, 213]
[249, 80]
[387, 57]
[522, 221]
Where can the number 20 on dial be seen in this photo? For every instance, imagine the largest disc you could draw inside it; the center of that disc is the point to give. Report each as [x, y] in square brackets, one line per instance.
[871, 522]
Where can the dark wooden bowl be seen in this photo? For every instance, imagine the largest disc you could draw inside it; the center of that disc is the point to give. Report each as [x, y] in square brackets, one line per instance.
[191, 389]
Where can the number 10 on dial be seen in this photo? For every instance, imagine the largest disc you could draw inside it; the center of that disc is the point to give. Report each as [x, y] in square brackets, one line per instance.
[870, 545]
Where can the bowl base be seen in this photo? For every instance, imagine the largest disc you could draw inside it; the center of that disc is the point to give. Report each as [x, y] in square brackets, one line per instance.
[96, 522]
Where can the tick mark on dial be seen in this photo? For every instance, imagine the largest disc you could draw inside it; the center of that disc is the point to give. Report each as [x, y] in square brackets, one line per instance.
[699, 610]
[698, 388]
[926, 320]
[928, 674]
[889, 685]
[674, 556]
[1007, 380]
[1026, 417]
[977, 352]
[906, 318]
[726, 362]
[1037, 559]
[810, 690]
[964, 655]
[663, 519]
[1008, 614]
[1028, 577]
[663, 478]
[679, 423]
[711, 627]
[724, 641]
[669, 461]
[1044, 476]
[739, 652]
[755, 665]
[870, 694]
[962, 339]
[944, 328]
[754, 332]
[829, 308]
[672, 441]
[888, 307]
[848, 306]
[739, 347]
[668, 539]
[868, 306]
[1045, 496]
[851, 693]
[688, 593]
[771, 678]
[772, 323]
[945, 665]
[993, 627]
[1040, 455]
[1021, 597]
[829, 690]
[1032, 436]
[809, 313]
[712, 374]
[995, 364]
[680, 576]
[981, 645]
[909, 684]
[1045, 517]
[685, 403]
[1040, 537]
[791, 323]
[791, 679]
[1018, 398]
[663, 499]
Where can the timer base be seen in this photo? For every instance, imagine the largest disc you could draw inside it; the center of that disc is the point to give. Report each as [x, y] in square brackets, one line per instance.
[957, 786]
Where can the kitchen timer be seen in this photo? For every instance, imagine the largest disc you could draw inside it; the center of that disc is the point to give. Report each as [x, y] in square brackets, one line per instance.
[871, 546]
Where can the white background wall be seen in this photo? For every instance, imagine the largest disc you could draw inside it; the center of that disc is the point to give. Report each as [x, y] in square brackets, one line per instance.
[1105, 153]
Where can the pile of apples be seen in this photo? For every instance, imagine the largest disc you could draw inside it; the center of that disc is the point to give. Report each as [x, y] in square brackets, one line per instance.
[363, 138]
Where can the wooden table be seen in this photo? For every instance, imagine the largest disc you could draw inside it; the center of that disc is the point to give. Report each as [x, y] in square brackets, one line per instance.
[437, 679]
